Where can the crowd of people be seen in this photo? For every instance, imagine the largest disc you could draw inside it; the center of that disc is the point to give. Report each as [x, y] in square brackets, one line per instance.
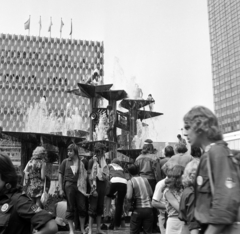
[195, 190]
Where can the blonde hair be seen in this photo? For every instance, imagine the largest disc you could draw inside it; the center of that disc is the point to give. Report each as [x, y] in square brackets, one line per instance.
[187, 179]
[201, 119]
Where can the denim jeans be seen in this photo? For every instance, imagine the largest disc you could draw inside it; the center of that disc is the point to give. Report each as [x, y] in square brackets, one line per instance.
[96, 204]
[75, 201]
[141, 219]
[161, 221]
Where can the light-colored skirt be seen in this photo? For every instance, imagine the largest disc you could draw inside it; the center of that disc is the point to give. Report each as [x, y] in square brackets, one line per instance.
[176, 226]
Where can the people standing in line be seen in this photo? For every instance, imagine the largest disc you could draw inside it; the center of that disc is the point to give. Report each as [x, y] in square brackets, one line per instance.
[97, 174]
[186, 207]
[181, 157]
[34, 174]
[139, 189]
[118, 184]
[215, 210]
[172, 195]
[71, 183]
[17, 211]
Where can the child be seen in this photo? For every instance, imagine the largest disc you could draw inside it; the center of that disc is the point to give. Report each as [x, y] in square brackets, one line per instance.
[17, 211]
[186, 210]
[172, 195]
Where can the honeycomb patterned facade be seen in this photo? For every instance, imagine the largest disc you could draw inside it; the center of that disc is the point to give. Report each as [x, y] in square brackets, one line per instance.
[35, 67]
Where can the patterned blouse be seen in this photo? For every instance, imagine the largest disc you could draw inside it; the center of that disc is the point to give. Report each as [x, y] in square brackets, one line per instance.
[171, 210]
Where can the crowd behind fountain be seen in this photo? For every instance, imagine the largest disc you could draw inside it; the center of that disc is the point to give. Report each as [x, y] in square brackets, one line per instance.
[192, 188]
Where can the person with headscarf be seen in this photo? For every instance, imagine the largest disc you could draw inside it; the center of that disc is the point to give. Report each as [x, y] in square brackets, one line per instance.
[149, 164]
[35, 174]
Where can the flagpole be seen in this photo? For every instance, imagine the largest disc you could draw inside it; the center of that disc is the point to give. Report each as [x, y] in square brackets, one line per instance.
[71, 29]
[29, 25]
[61, 29]
[50, 27]
[40, 25]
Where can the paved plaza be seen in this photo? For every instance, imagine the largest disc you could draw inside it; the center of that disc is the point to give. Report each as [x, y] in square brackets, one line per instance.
[125, 230]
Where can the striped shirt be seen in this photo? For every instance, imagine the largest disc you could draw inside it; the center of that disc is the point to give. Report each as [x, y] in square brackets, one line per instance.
[142, 192]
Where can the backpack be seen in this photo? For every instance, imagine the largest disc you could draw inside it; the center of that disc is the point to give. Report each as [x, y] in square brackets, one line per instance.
[234, 165]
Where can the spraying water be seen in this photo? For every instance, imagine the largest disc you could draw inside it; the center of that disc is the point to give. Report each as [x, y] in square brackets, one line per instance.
[101, 128]
[146, 129]
[39, 119]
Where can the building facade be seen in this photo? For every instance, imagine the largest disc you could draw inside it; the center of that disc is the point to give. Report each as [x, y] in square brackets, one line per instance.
[35, 73]
[224, 24]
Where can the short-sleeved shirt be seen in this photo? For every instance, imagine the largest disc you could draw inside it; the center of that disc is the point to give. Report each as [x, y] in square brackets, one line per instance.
[170, 209]
[158, 193]
[18, 213]
[142, 192]
[66, 171]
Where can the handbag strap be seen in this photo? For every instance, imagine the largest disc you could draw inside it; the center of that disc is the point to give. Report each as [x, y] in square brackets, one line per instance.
[45, 181]
[133, 194]
[210, 173]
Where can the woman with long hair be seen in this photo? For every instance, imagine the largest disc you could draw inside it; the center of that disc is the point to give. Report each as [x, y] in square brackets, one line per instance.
[17, 212]
[149, 164]
[35, 174]
[97, 175]
[172, 195]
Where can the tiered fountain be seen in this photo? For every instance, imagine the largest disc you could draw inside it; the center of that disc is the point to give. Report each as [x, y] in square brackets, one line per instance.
[134, 113]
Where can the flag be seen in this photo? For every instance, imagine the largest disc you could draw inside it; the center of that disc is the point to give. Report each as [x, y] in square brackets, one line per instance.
[71, 29]
[61, 26]
[27, 24]
[40, 24]
[50, 26]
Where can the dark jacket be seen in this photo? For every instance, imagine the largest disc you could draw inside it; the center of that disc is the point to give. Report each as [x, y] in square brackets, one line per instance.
[18, 213]
[220, 208]
[149, 166]
[186, 208]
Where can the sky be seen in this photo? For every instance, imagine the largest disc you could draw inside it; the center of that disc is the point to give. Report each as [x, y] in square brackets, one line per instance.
[164, 44]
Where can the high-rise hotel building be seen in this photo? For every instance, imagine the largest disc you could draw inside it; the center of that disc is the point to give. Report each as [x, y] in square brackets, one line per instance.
[224, 24]
[35, 73]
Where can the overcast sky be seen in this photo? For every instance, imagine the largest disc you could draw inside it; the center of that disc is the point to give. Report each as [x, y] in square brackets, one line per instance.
[163, 43]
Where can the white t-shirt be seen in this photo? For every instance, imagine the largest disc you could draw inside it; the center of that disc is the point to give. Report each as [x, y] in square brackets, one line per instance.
[158, 193]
